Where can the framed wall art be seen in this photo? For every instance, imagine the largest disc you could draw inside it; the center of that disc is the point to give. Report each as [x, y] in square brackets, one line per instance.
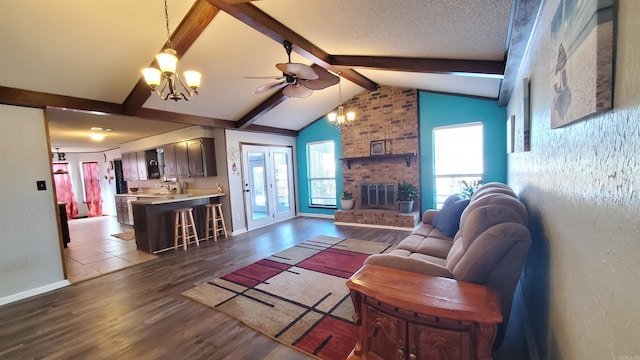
[377, 147]
[582, 41]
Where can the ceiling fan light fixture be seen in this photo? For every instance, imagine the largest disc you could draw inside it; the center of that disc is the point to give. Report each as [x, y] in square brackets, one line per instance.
[167, 78]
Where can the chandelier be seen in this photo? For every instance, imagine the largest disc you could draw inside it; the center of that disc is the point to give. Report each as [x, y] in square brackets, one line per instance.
[340, 120]
[167, 78]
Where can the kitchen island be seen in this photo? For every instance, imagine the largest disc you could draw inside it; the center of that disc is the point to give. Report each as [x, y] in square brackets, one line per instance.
[154, 219]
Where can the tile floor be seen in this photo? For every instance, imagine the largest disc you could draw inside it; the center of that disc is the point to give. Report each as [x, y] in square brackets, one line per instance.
[93, 251]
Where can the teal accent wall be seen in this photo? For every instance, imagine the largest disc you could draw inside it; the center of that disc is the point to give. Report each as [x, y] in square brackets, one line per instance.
[320, 130]
[437, 110]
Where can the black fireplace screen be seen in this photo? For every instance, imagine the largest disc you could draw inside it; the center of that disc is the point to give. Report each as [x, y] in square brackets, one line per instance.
[377, 196]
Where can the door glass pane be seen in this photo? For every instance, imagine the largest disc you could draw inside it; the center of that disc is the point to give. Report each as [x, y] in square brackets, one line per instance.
[258, 185]
[281, 166]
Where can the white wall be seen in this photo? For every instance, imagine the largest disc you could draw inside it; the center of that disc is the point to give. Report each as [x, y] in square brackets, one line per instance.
[236, 190]
[581, 186]
[30, 253]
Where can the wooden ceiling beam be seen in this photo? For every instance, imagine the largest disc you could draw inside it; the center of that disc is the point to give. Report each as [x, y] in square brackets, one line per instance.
[272, 130]
[274, 100]
[41, 100]
[193, 24]
[422, 65]
[270, 27]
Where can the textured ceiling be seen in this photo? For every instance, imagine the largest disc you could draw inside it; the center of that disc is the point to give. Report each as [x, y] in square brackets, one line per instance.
[94, 49]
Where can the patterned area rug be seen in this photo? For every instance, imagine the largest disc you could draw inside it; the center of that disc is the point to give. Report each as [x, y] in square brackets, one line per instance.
[297, 296]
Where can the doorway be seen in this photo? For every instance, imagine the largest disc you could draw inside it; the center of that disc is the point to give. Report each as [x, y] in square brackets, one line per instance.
[268, 184]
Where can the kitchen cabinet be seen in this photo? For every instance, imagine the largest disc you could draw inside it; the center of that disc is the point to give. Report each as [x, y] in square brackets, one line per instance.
[122, 210]
[421, 317]
[141, 165]
[170, 169]
[195, 158]
[182, 160]
[126, 167]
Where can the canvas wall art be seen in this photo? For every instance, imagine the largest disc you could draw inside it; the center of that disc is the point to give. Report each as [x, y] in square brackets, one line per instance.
[582, 43]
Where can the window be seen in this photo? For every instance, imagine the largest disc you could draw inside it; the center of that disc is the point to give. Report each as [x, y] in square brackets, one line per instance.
[458, 152]
[322, 174]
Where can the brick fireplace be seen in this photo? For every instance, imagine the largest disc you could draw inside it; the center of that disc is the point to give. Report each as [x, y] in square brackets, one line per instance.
[387, 117]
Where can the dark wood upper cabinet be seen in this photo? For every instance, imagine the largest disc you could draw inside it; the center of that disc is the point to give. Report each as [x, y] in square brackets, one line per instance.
[182, 160]
[170, 165]
[208, 151]
[185, 159]
[194, 152]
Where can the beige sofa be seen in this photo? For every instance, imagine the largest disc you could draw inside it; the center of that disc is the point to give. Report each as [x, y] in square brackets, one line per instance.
[490, 248]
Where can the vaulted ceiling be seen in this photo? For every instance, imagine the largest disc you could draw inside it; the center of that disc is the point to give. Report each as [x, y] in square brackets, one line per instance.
[86, 56]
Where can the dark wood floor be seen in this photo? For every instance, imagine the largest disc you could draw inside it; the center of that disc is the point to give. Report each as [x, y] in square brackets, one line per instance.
[138, 313]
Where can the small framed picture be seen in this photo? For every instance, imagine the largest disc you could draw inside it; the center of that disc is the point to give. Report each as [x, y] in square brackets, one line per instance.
[377, 147]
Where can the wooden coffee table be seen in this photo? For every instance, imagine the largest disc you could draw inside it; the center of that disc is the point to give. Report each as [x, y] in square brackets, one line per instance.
[405, 315]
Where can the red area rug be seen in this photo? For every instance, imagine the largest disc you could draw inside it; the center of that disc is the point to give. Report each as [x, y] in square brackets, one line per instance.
[297, 296]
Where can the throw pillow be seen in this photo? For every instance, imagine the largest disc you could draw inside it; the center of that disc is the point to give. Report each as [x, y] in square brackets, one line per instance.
[447, 220]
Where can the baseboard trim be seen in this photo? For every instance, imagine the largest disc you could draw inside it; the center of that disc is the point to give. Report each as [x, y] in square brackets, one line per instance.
[33, 292]
[528, 328]
[321, 216]
[377, 226]
[238, 232]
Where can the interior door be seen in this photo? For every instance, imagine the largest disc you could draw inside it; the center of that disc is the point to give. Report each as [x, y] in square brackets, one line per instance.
[268, 184]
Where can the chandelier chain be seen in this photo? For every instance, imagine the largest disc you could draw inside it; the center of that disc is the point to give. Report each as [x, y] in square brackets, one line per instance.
[340, 87]
[166, 17]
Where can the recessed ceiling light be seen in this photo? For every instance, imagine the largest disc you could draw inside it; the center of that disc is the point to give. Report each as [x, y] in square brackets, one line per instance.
[97, 136]
[97, 128]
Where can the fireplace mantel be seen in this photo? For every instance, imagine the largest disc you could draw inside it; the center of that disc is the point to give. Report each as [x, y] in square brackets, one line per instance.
[407, 158]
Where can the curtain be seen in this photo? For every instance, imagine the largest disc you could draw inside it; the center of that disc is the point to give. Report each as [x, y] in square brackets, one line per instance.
[64, 189]
[93, 194]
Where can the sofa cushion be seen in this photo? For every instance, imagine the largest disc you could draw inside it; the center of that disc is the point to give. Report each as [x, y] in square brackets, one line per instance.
[407, 262]
[432, 242]
[447, 220]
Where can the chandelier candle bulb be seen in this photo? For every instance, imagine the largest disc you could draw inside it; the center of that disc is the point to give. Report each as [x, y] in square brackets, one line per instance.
[152, 76]
[192, 78]
[167, 61]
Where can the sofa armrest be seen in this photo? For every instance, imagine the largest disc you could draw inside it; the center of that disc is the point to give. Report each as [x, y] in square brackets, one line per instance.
[409, 264]
[428, 215]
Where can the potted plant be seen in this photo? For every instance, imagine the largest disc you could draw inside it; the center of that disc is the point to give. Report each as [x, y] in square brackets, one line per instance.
[346, 200]
[468, 189]
[407, 193]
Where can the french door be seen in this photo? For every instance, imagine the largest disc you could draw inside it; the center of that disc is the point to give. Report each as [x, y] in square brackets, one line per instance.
[267, 173]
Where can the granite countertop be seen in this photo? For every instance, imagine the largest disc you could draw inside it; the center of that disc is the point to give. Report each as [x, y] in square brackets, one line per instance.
[153, 199]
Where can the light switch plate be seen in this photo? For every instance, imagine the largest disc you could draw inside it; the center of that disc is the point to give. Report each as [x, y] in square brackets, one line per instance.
[41, 184]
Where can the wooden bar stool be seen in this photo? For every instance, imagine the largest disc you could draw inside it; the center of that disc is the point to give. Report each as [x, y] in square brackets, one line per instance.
[185, 228]
[215, 221]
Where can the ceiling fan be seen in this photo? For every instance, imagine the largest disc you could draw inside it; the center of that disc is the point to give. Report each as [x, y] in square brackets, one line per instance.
[298, 80]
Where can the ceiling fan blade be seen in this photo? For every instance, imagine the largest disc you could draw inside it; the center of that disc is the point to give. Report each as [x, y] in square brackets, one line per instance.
[301, 71]
[265, 77]
[297, 91]
[325, 79]
[267, 87]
